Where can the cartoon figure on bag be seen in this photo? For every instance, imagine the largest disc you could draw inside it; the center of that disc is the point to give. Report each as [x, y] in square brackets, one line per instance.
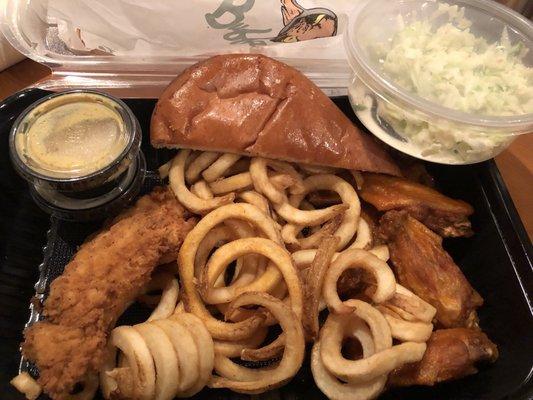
[305, 24]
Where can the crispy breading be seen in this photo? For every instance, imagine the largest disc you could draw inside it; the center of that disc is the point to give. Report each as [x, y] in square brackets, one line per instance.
[443, 215]
[98, 284]
[450, 354]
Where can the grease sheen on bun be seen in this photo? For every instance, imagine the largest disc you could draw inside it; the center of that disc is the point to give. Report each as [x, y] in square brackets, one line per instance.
[251, 104]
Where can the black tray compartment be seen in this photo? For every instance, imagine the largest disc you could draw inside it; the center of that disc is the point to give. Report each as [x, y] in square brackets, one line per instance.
[496, 260]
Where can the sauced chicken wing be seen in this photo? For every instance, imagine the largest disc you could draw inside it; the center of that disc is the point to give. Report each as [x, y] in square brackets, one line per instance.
[423, 266]
[450, 354]
[446, 216]
[103, 278]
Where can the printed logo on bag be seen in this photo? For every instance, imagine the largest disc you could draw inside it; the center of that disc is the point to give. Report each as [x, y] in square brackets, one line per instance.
[299, 23]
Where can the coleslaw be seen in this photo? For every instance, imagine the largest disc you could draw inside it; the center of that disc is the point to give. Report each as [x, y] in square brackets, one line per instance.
[452, 66]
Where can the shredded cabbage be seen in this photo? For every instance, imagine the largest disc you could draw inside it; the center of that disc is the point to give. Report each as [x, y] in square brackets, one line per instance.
[459, 70]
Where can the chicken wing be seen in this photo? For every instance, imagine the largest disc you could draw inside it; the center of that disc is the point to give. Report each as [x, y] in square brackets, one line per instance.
[416, 171]
[98, 284]
[424, 267]
[446, 216]
[450, 354]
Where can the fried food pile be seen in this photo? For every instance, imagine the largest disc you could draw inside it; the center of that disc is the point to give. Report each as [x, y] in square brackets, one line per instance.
[99, 283]
[282, 255]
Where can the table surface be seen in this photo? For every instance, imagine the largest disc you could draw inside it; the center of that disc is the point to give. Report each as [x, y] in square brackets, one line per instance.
[515, 164]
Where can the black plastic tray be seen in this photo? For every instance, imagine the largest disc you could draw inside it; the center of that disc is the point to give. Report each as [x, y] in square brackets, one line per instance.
[497, 262]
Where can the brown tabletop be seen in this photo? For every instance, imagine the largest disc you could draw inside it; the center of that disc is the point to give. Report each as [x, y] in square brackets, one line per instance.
[515, 164]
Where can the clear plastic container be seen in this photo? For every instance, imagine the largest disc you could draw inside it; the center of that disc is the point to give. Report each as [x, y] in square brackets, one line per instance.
[389, 110]
[83, 190]
[144, 74]
[143, 71]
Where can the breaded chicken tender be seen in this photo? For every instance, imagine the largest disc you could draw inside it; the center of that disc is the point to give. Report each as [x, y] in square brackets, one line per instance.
[99, 283]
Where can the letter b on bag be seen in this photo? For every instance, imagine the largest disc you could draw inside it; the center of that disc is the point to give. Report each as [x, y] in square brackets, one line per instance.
[227, 6]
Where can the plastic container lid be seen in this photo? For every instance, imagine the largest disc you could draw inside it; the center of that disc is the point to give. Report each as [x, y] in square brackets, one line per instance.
[59, 183]
[134, 49]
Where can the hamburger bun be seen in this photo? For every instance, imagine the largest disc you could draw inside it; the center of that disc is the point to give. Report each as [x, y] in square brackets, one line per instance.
[253, 105]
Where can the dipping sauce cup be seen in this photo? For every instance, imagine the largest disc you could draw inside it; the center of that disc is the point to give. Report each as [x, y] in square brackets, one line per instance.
[80, 152]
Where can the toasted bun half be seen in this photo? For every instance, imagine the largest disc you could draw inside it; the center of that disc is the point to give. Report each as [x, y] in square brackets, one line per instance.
[253, 105]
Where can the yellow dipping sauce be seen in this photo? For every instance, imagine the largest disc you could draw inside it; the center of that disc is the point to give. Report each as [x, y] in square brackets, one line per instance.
[72, 136]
